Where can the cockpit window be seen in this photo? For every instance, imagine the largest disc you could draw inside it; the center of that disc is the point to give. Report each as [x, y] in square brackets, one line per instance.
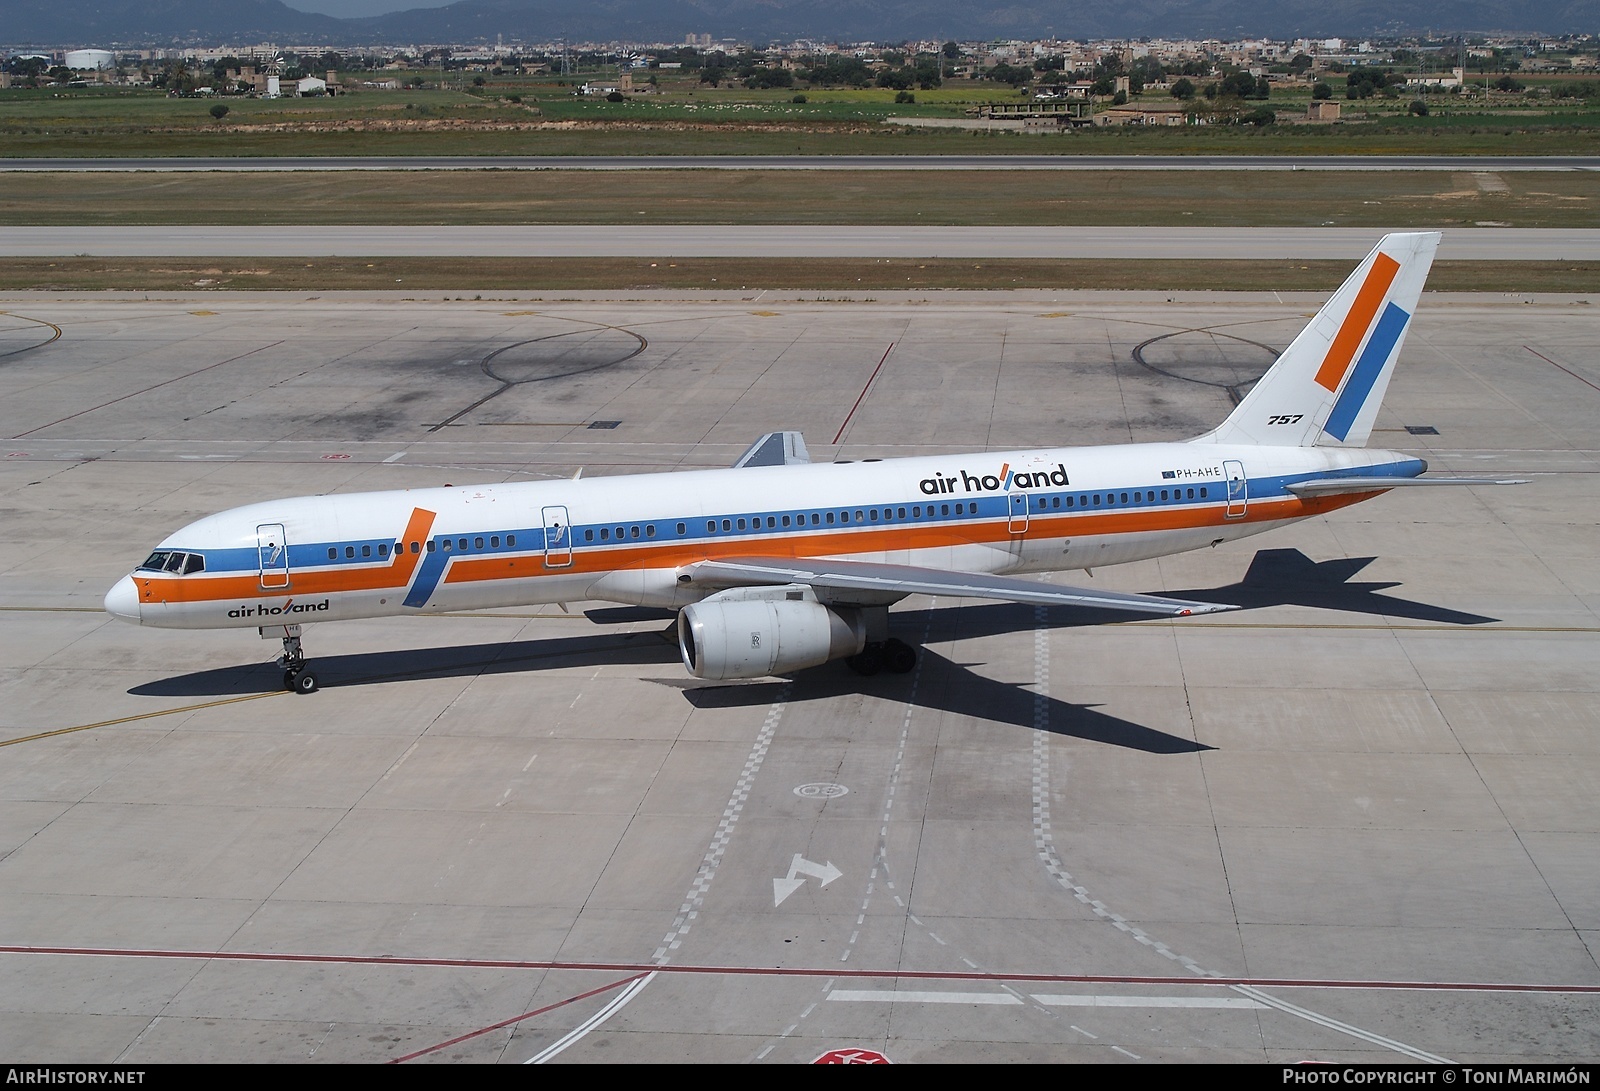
[178, 563]
[156, 562]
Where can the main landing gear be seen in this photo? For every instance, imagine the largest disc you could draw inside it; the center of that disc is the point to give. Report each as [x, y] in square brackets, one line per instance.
[892, 655]
[297, 676]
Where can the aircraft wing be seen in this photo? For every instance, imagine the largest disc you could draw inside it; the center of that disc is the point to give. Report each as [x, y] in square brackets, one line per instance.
[775, 449]
[1327, 486]
[903, 580]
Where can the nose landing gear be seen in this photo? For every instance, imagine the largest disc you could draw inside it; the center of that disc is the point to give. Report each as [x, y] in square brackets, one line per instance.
[297, 676]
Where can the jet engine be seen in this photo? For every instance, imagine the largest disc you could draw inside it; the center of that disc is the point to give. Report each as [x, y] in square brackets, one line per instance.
[745, 637]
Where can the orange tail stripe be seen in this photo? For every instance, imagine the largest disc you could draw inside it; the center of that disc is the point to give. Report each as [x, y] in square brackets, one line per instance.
[1357, 322]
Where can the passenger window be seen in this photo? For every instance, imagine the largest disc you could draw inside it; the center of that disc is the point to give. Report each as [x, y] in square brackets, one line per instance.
[445, 544]
[860, 516]
[633, 531]
[816, 520]
[494, 541]
[1202, 492]
[430, 546]
[1069, 501]
[1124, 498]
[511, 541]
[383, 549]
[605, 534]
[741, 524]
[944, 509]
[350, 552]
[366, 551]
[461, 543]
[477, 543]
[588, 535]
[649, 530]
[333, 553]
[682, 529]
[900, 513]
[916, 511]
[727, 524]
[873, 514]
[830, 518]
[416, 547]
[785, 520]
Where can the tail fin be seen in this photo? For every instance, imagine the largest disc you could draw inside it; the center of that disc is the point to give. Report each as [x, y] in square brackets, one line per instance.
[1325, 389]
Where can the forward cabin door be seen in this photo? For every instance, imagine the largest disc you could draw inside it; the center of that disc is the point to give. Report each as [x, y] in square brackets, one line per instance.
[272, 551]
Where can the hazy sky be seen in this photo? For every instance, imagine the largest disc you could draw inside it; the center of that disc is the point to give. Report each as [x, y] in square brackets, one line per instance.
[355, 9]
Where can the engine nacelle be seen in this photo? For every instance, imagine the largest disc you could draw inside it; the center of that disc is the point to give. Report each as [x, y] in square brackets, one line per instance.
[752, 638]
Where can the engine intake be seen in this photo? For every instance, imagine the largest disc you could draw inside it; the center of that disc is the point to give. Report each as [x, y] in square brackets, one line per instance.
[753, 638]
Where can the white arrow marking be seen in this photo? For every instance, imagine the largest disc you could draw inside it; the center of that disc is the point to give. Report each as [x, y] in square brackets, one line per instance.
[782, 888]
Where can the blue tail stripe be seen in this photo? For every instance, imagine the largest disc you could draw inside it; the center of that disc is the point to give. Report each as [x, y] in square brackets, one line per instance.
[1367, 370]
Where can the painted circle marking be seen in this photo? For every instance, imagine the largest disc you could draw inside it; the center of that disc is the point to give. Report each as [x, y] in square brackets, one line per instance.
[334, 458]
[852, 1056]
[821, 790]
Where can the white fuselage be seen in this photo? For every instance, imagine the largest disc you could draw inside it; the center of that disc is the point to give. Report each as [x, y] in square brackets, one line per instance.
[629, 539]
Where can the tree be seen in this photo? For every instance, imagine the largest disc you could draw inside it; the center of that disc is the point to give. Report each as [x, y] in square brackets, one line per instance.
[1320, 90]
[1261, 115]
[900, 79]
[1418, 107]
[713, 74]
[1183, 89]
[951, 51]
[219, 111]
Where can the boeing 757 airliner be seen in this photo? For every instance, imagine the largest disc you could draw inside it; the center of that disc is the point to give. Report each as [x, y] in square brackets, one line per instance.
[778, 564]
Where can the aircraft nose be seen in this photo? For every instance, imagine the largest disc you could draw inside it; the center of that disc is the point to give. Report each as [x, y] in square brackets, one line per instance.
[122, 601]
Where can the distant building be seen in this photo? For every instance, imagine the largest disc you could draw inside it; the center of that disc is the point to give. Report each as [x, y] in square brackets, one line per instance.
[1323, 110]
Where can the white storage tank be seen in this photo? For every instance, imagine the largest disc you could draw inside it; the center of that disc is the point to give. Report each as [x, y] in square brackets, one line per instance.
[81, 59]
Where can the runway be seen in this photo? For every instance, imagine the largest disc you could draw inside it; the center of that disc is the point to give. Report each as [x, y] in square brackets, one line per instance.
[1354, 821]
[1109, 243]
[1066, 162]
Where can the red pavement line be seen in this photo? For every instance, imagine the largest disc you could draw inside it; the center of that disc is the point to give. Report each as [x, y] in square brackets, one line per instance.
[862, 396]
[640, 968]
[1568, 370]
[146, 390]
[517, 1019]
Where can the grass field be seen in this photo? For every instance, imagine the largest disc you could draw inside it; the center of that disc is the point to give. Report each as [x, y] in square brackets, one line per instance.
[473, 276]
[1112, 198]
[727, 121]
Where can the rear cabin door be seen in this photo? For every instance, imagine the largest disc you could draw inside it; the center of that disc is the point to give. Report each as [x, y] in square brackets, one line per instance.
[1238, 489]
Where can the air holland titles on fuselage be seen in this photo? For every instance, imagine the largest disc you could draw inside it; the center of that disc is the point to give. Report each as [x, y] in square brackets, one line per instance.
[777, 564]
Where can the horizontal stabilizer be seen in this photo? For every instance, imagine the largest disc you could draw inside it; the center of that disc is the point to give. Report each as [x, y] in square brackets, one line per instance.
[1332, 486]
[895, 579]
[775, 449]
